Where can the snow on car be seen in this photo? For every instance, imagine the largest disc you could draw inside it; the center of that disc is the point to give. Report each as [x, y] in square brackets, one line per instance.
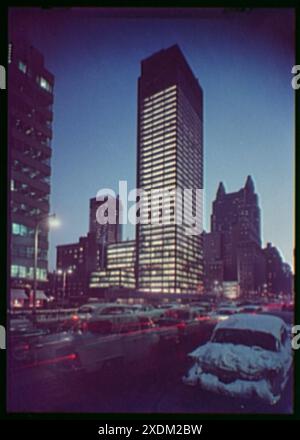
[247, 356]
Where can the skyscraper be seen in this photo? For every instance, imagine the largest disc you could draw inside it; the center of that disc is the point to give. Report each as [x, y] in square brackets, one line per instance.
[108, 232]
[30, 101]
[236, 219]
[170, 155]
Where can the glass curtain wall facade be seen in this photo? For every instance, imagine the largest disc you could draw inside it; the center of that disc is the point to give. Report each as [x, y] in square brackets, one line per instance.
[170, 156]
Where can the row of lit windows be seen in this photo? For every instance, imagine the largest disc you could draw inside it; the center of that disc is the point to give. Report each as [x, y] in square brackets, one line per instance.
[159, 118]
[159, 176]
[153, 103]
[158, 125]
[164, 137]
[155, 149]
[41, 81]
[149, 128]
[156, 168]
[168, 153]
[153, 138]
[116, 250]
[160, 184]
[154, 108]
[156, 159]
[27, 272]
[153, 143]
[24, 231]
[158, 113]
[160, 95]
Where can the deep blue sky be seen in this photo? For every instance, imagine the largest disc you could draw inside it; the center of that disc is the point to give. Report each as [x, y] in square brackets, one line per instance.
[243, 62]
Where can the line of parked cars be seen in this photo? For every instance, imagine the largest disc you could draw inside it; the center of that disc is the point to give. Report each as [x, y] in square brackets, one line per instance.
[99, 334]
[247, 355]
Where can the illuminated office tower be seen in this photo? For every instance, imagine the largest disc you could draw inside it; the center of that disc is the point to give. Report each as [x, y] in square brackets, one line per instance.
[170, 155]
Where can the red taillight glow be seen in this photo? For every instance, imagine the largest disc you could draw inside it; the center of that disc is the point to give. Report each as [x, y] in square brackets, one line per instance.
[181, 325]
[202, 318]
[69, 357]
[74, 317]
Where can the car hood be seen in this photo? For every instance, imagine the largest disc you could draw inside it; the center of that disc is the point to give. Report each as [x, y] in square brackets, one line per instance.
[247, 362]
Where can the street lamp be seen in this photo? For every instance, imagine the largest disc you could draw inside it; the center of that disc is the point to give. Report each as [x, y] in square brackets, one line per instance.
[64, 274]
[52, 222]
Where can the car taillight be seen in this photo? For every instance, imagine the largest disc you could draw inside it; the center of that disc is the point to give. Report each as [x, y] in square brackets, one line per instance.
[181, 325]
[67, 358]
[75, 317]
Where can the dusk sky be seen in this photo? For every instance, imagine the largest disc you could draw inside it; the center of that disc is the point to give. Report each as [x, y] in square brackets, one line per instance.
[243, 62]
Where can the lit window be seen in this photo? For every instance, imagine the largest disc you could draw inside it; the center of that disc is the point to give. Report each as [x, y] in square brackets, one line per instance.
[22, 66]
[44, 84]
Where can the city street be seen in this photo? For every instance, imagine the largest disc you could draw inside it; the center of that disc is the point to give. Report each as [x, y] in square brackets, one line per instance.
[156, 387]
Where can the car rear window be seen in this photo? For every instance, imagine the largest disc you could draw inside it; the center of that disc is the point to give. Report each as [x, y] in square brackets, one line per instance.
[249, 338]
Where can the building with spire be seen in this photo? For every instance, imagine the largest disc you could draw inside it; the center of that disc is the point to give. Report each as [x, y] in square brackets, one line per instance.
[232, 250]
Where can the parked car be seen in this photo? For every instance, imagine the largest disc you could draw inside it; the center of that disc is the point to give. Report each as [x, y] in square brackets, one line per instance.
[185, 319]
[93, 309]
[247, 356]
[222, 313]
[251, 308]
[148, 310]
[106, 340]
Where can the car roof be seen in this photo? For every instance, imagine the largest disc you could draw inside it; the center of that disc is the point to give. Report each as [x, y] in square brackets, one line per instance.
[263, 323]
[104, 305]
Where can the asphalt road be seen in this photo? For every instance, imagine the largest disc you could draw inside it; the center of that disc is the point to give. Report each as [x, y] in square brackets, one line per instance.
[154, 388]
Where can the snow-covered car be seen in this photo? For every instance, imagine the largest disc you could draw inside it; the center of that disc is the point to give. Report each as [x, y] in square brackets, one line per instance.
[248, 356]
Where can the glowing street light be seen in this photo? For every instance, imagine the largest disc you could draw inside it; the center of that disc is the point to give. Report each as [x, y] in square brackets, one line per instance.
[52, 222]
[64, 273]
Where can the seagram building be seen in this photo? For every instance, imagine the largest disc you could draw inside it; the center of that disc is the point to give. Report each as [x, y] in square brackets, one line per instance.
[169, 156]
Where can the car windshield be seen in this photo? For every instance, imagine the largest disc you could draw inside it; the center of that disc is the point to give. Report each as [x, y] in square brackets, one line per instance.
[249, 338]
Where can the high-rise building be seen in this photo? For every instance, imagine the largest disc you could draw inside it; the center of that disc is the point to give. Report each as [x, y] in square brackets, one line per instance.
[120, 267]
[30, 115]
[235, 221]
[170, 155]
[110, 232]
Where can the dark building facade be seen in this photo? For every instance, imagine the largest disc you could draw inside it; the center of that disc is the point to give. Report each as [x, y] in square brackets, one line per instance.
[278, 273]
[170, 155]
[213, 264]
[30, 115]
[74, 264]
[233, 248]
[105, 233]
